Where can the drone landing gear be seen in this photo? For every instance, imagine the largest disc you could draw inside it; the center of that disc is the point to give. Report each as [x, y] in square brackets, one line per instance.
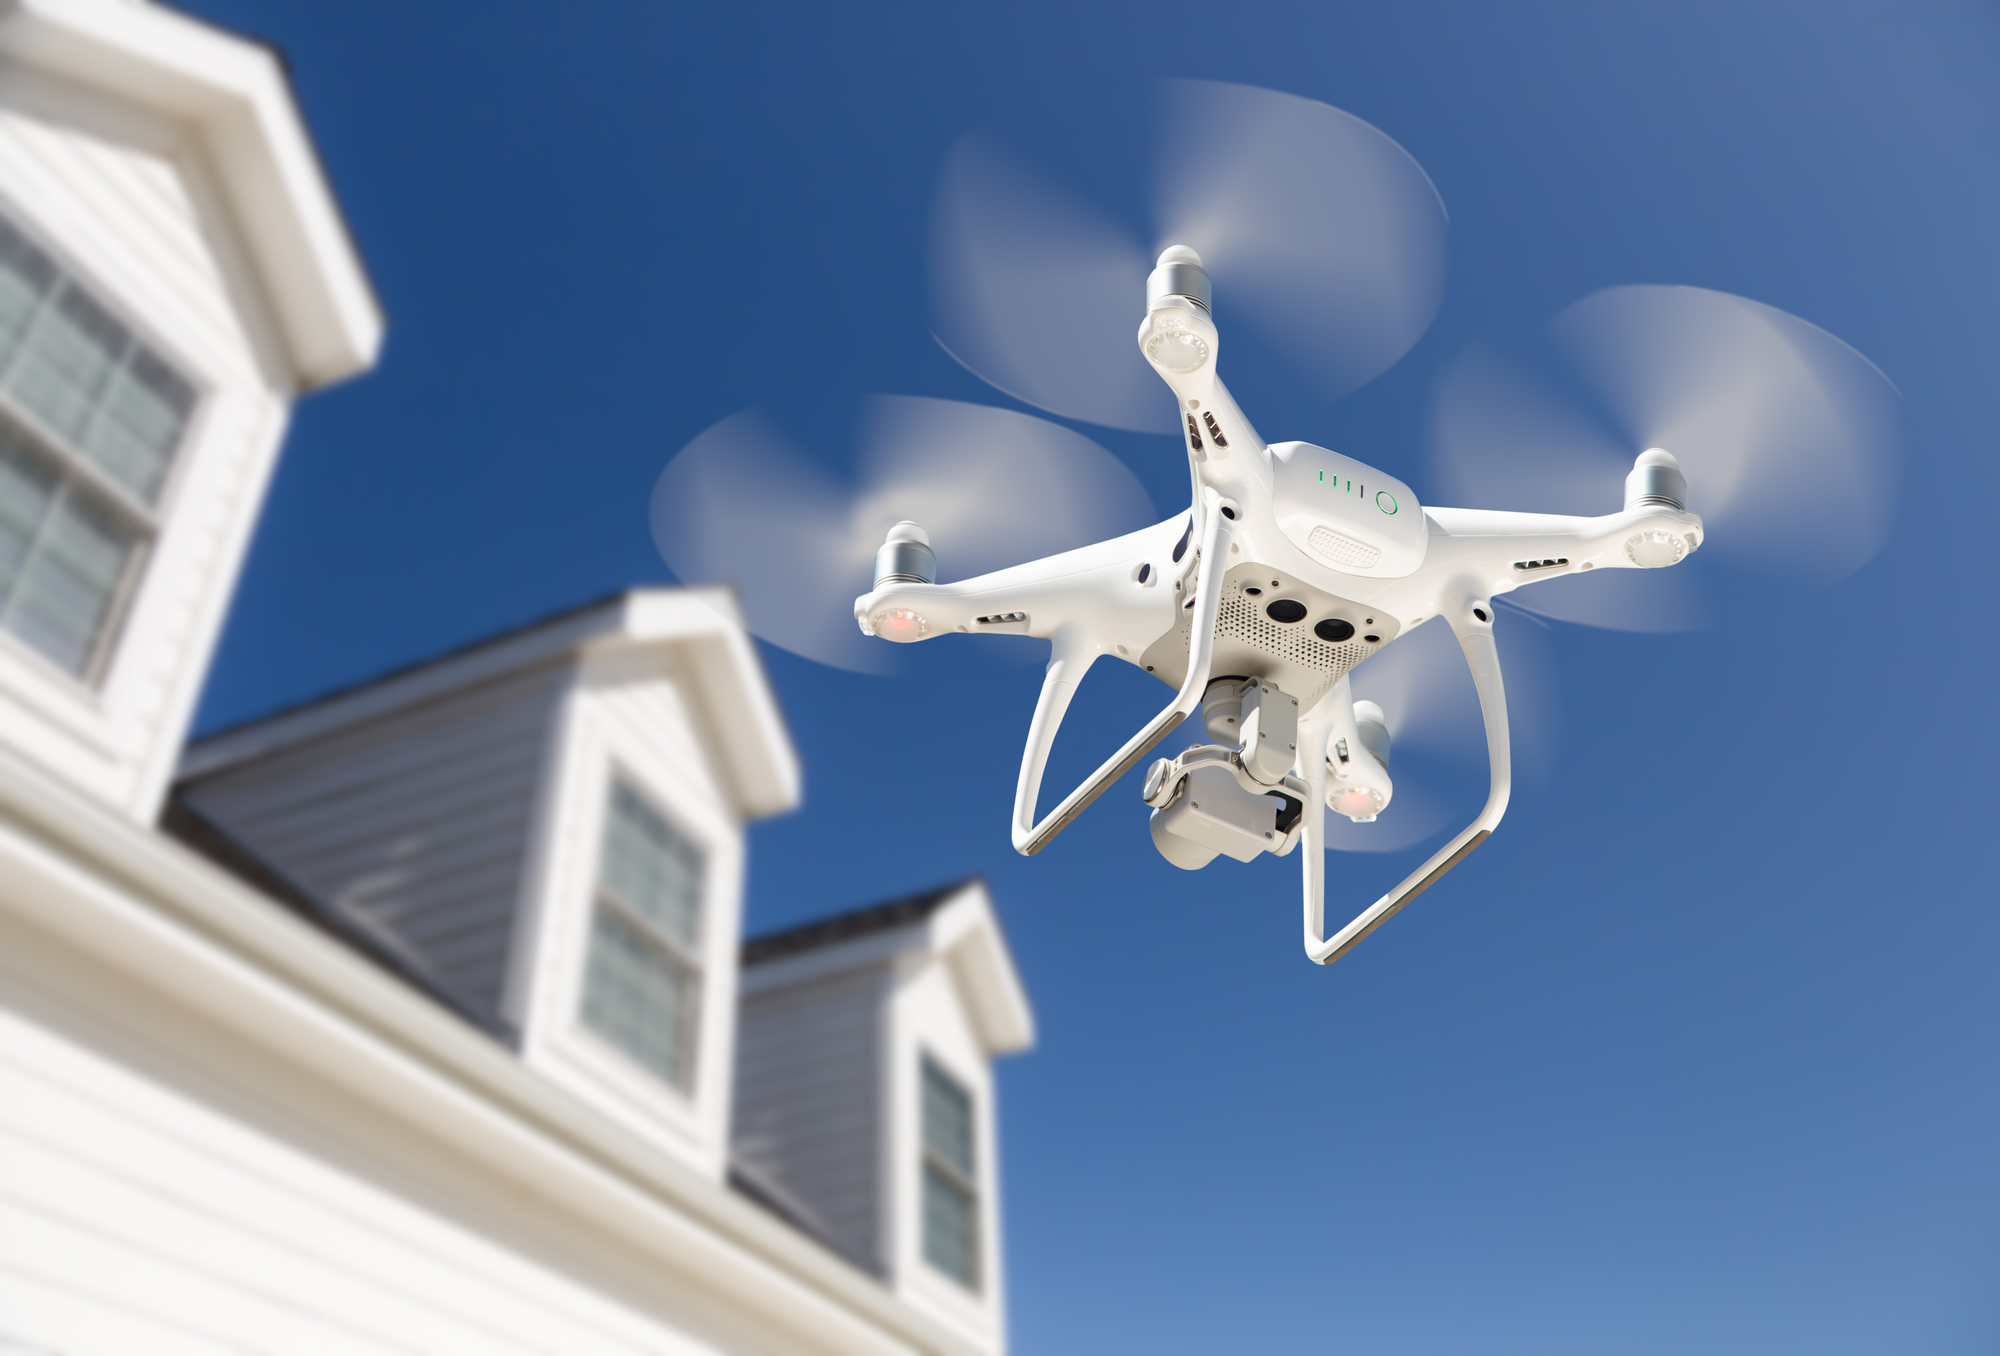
[1072, 654]
[1472, 623]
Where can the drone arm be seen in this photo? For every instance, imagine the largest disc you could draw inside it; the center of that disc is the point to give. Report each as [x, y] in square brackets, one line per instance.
[1070, 659]
[1475, 637]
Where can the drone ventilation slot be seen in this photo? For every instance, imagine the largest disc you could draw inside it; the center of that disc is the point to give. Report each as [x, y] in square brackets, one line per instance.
[1342, 551]
[1194, 434]
[1540, 564]
[1214, 429]
[1242, 620]
[1001, 618]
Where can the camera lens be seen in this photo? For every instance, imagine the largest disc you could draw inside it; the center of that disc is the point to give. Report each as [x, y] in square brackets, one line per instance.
[1286, 610]
[1334, 629]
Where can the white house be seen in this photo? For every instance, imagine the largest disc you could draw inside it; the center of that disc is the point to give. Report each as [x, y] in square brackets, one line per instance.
[173, 273]
[864, 1090]
[414, 1018]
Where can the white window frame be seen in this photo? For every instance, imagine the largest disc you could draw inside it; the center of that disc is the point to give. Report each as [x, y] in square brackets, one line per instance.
[676, 952]
[929, 1160]
[146, 522]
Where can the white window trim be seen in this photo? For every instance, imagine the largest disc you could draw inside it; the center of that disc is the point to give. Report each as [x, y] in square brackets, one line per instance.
[552, 940]
[632, 916]
[151, 521]
[974, 1183]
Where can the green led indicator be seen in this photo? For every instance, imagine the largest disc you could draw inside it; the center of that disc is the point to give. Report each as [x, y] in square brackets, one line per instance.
[1322, 477]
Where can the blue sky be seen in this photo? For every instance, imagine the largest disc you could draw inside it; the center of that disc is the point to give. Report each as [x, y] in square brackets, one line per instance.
[1699, 1053]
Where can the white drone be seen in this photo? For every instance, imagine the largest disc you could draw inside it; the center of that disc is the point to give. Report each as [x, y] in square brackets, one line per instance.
[1294, 564]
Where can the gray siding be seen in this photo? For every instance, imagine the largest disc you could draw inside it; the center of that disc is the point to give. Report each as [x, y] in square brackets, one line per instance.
[415, 825]
[809, 1097]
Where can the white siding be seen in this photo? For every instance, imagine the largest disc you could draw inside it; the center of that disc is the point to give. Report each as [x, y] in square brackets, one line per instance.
[168, 1188]
[130, 210]
[809, 1102]
[417, 822]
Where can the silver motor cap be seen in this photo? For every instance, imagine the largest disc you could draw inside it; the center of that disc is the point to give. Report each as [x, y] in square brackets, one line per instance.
[1179, 274]
[906, 557]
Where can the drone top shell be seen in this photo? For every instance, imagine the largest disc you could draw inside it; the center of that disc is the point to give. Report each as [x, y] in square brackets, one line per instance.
[1344, 514]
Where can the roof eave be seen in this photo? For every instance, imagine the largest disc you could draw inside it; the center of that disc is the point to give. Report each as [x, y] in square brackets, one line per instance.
[967, 934]
[234, 95]
[759, 763]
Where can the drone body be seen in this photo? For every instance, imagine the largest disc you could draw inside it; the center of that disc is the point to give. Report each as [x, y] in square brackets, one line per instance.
[1293, 565]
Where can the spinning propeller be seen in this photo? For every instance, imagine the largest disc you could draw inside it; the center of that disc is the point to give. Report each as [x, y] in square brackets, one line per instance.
[1327, 237]
[1786, 435]
[743, 502]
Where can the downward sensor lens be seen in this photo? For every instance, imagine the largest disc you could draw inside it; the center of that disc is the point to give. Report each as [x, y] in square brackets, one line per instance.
[1334, 629]
[1287, 610]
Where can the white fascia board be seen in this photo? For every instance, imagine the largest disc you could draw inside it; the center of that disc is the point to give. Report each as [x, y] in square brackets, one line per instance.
[759, 758]
[963, 932]
[966, 932]
[177, 926]
[874, 950]
[234, 95]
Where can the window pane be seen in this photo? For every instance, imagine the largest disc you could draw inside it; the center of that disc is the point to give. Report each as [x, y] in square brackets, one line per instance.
[640, 999]
[951, 1220]
[652, 869]
[25, 276]
[139, 423]
[66, 362]
[83, 400]
[27, 488]
[64, 593]
[947, 1119]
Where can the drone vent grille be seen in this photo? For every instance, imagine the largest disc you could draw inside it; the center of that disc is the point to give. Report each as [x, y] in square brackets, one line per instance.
[1242, 620]
[1341, 550]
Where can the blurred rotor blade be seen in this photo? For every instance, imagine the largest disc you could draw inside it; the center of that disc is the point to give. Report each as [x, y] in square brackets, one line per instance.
[1037, 295]
[743, 504]
[992, 487]
[1320, 233]
[1421, 682]
[1787, 436]
[1426, 693]
[1315, 226]
[1502, 438]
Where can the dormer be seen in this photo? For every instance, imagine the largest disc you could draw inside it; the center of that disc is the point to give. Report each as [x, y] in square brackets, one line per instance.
[865, 1092]
[545, 830]
[173, 273]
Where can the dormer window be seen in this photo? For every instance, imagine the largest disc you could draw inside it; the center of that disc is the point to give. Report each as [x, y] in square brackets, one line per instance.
[90, 419]
[951, 1182]
[642, 984]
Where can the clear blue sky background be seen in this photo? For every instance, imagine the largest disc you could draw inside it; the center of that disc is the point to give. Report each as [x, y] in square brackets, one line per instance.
[1697, 1055]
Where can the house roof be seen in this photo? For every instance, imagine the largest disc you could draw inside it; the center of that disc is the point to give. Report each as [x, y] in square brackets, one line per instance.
[697, 631]
[842, 927]
[185, 823]
[954, 923]
[235, 99]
